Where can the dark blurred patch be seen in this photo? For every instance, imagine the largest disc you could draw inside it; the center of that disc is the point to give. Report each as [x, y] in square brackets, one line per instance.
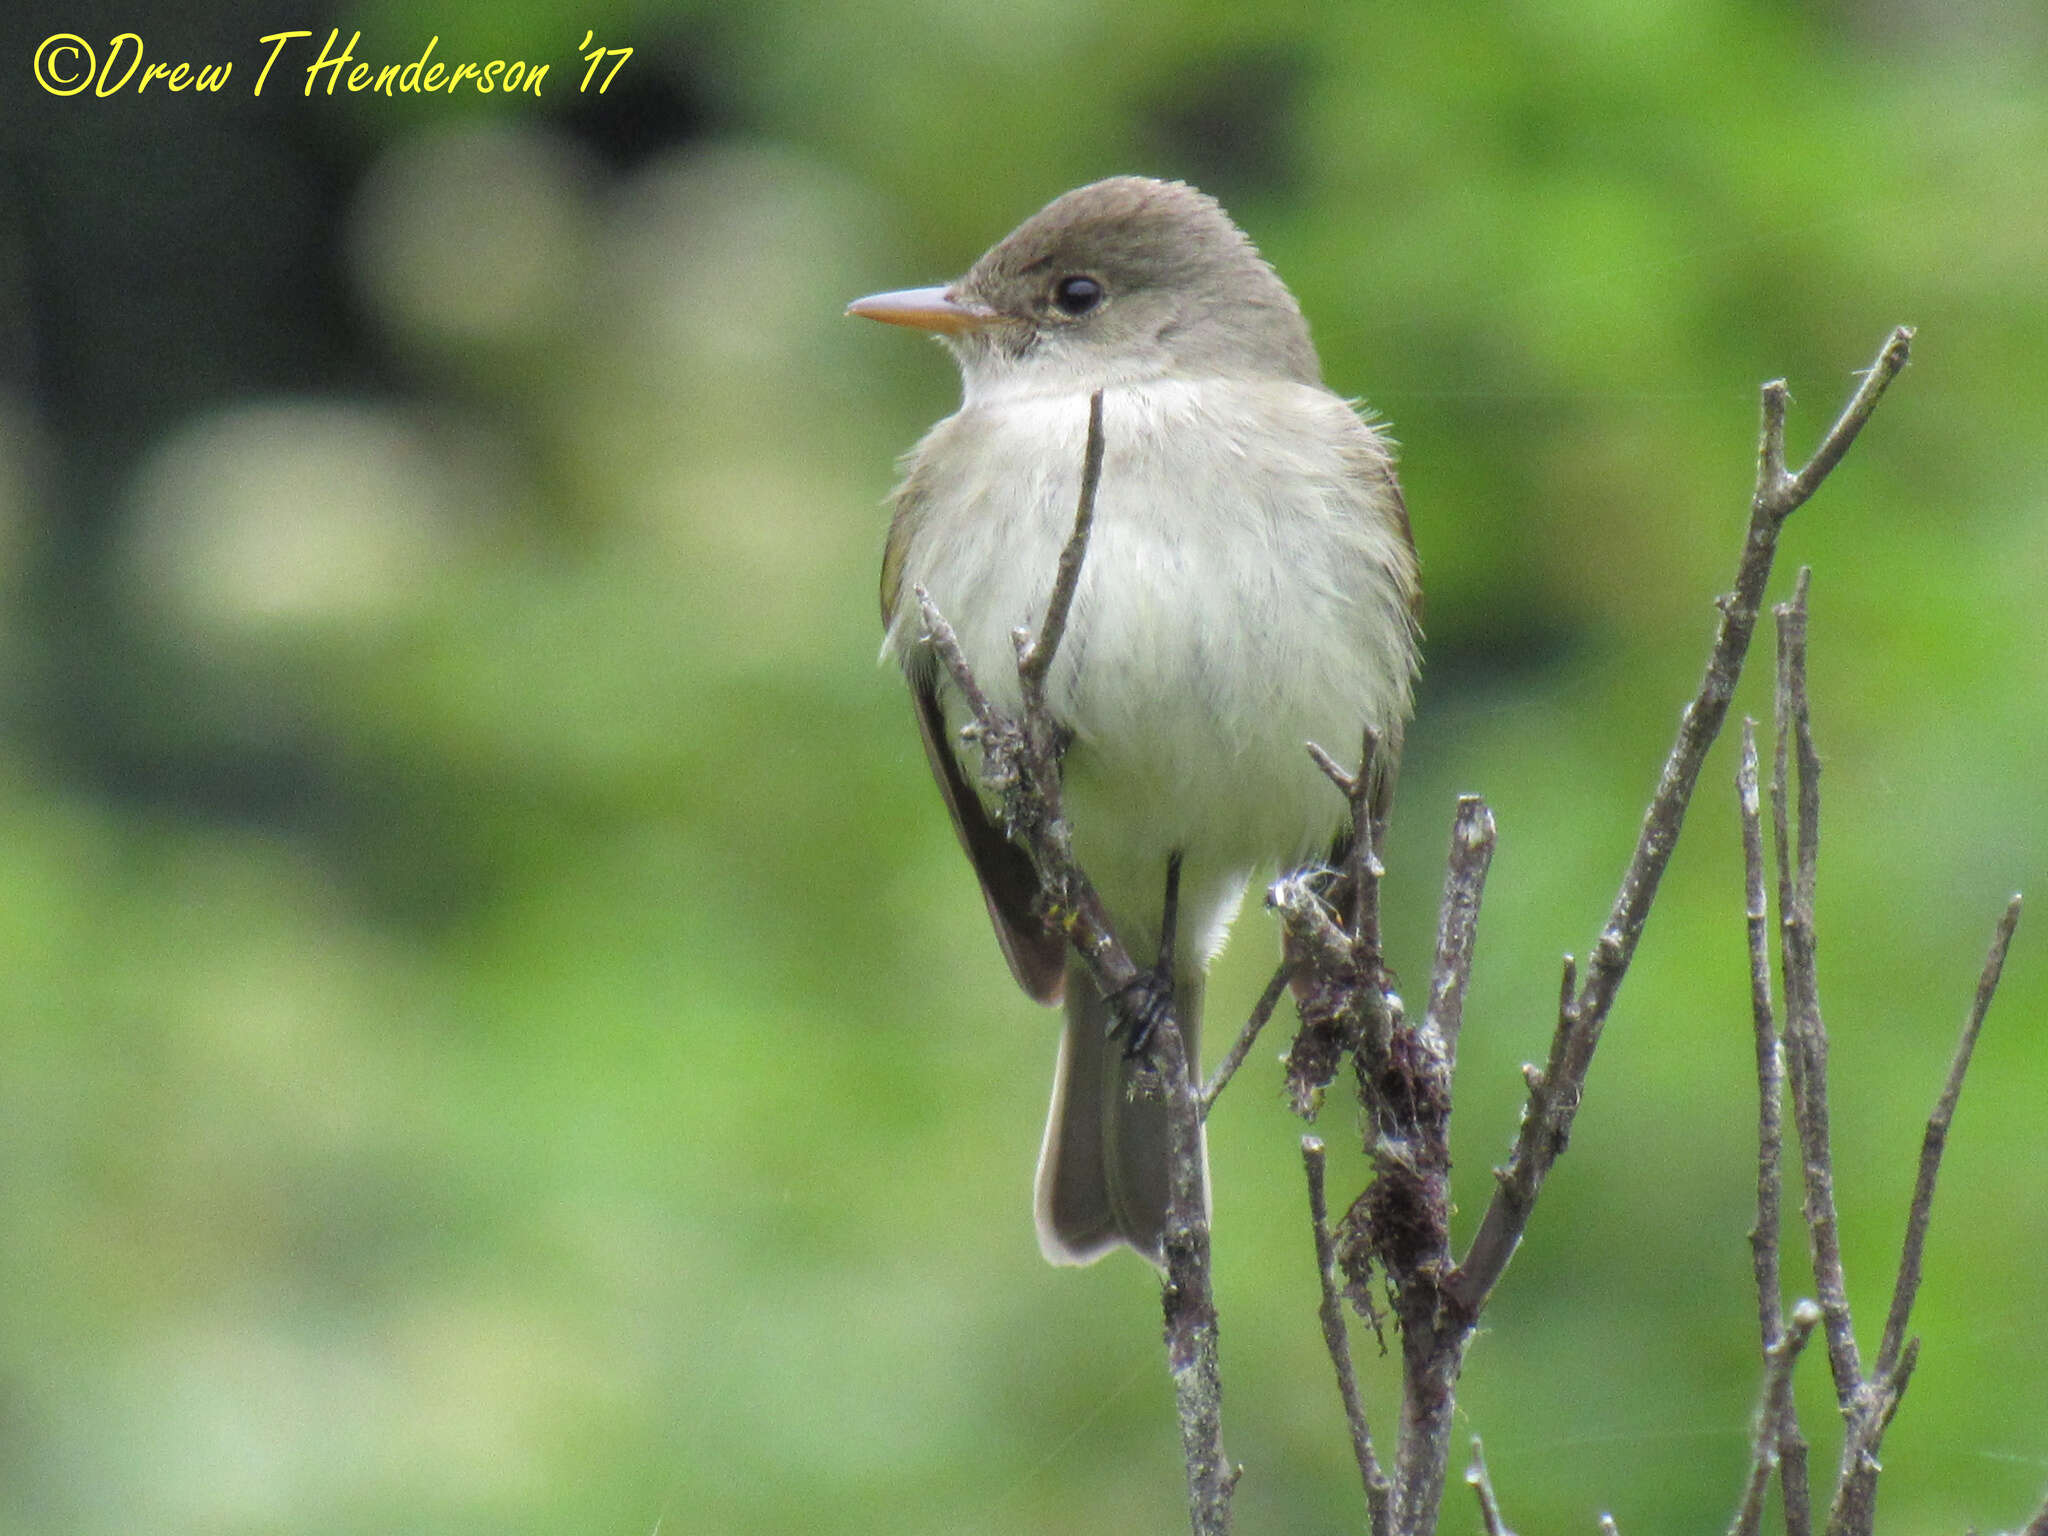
[666, 95]
[1488, 654]
[174, 259]
[418, 841]
[171, 254]
[161, 257]
[1229, 122]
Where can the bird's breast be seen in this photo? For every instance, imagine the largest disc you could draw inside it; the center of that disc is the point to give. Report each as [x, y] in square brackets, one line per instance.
[1245, 590]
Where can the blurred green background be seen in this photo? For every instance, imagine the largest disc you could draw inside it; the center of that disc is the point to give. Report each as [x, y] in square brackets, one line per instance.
[498, 1035]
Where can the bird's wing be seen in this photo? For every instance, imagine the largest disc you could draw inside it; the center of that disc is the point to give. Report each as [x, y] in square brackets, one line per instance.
[1009, 884]
[1368, 460]
[1037, 954]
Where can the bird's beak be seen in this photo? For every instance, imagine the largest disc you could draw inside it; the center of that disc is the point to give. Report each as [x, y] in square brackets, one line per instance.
[926, 309]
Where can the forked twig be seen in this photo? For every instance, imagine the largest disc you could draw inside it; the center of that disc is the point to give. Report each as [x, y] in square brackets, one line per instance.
[1868, 1397]
[1400, 1225]
[1554, 1095]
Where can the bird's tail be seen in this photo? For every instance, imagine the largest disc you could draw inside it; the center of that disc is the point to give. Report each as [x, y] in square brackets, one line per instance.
[1102, 1174]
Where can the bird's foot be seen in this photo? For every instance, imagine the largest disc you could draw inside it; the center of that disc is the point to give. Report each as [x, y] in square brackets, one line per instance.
[1141, 1005]
[1145, 1002]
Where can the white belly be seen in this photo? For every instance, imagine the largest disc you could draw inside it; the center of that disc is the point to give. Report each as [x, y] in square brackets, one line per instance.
[1245, 592]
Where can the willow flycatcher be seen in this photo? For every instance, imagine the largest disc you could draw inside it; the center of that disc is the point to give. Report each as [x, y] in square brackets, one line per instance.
[1250, 585]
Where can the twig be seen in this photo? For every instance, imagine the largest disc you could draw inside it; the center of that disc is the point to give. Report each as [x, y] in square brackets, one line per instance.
[1401, 1223]
[1793, 1485]
[1347, 1005]
[1021, 758]
[1034, 657]
[1795, 811]
[1936, 1139]
[1554, 1099]
[1868, 1400]
[1770, 1066]
[1186, 1298]
[1191, 1330]
[1774, 1414]
[1363, 864]
[946, 646]
[1439, 1306]
[1790, 492]
[1788, 1448]
[1868, 1411]
[1457, 925]
[1806, 1038]
[1363, 873]
[1481, 1484]
[1032, 803]
[1336, 1339]
[1240, 1048]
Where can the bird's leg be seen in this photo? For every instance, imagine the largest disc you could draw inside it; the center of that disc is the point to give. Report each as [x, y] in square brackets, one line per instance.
[1147, 999]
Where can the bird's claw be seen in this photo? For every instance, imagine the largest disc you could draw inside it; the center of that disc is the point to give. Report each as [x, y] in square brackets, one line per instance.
[1141, 1005]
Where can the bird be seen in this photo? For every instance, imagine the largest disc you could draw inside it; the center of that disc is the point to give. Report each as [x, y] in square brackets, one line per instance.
[1250, 585]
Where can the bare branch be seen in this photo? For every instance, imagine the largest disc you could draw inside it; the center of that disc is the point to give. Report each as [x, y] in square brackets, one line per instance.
[1346, 1004]
[1481, 1484]
[1021, 758]
[1400, 1224]
[1187, 1298]
[1876, 380]
[1806, 1038]
[1868, 1402]
[1788, 1449]
[946, 646]
[1261, 1012]
[1770, 454]
[1547, 1120]
[1336, 1339]
[1457, 926]
[1773, 1415]
[1931, 1146]
[1362, 868]
[1318, 954]
[1867, 1412]
[1034, 657]
[1793, 1485]
[1770, 1066]
[1517, 1185]
[1334, 771]
[1785, 494]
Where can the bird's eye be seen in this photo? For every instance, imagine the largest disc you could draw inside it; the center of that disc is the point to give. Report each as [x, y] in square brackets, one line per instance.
[1076, 295]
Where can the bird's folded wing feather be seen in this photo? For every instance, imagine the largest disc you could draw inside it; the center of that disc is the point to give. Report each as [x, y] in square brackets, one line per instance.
[1009, 884]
